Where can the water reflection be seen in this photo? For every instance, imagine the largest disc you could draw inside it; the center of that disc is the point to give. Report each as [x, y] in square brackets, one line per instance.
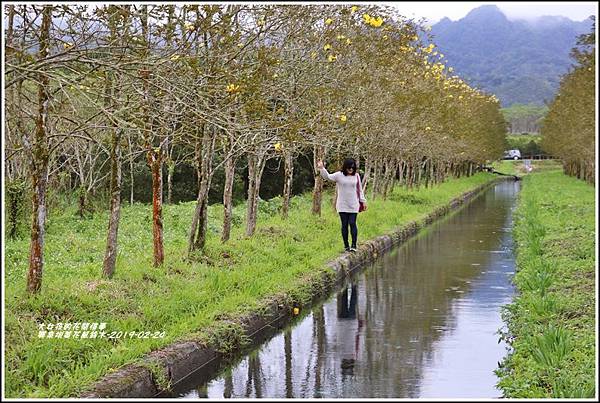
[421, 323]
[348, 328]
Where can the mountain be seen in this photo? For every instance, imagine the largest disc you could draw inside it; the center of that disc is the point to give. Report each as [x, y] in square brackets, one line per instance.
[519, 61]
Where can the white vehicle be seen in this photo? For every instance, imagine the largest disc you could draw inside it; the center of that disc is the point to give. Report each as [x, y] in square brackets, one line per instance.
[512, 154]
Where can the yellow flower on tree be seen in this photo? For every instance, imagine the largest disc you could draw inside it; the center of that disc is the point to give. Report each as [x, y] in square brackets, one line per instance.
[313, 55]
[348, 41]
[343, 118]
[327, 47]
[174, 57]
[278, 147]
[328, 21]
[428, 128]
[332, 58]
[232, 88]
[376, 22]
[190, 27]
[353, 9]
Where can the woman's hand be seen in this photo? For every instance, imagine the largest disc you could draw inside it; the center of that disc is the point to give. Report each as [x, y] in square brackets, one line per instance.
[320, 164]
[365, 206]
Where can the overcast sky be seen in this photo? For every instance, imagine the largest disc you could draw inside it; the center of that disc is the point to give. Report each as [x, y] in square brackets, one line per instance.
[434, 11]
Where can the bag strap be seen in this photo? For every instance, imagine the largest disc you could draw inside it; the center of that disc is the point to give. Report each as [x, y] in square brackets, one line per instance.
[358, 186]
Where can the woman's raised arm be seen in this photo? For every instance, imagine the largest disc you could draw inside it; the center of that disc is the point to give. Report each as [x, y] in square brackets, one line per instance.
[324, 173]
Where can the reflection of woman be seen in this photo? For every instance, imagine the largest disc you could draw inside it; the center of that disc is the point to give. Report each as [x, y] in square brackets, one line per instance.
[349, 194]
[348, 328]
[347, 308]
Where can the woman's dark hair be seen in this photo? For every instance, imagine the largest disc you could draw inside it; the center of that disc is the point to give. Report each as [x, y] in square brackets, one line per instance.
[349, 163]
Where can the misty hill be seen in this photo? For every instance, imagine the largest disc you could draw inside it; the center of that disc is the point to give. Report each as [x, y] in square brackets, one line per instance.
[519, 61]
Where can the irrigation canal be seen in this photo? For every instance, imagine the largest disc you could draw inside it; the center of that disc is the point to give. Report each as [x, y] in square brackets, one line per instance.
[421, 322]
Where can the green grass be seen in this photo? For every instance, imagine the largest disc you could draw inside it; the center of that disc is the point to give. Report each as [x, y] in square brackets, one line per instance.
[184, 300]
[551, 323]
[512, 167]
[520, 140]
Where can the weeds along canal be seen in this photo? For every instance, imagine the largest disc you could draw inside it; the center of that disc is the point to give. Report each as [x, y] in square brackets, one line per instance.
[421, 322]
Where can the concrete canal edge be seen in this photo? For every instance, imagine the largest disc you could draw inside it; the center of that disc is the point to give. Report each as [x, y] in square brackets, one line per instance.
[170, 367]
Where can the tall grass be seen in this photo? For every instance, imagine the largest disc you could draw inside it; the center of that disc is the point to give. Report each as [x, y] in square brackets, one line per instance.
[551, 323]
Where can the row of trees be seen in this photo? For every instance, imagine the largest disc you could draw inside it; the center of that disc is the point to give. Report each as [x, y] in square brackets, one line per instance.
[91, 88]
[524, 118]
[569, 128]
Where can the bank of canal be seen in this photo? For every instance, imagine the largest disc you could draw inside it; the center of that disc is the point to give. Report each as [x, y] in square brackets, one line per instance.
[420, 322]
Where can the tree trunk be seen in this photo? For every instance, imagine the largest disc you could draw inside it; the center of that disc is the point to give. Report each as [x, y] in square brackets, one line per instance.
[375, 189]
[130, 171]
[199, 220]
[401, 166]
[40, 165]
[227, 198]
[412, 170]
[419, 174]
[36, 253]
[367, 176]
[256, 165]
[110, 255]
[203, 219]
[318, 154]
[393, 175]
[82, 201]
[251, 197]
[287, 183]
[427, 169]
[170, 172]
[155, 162]
[389, 175]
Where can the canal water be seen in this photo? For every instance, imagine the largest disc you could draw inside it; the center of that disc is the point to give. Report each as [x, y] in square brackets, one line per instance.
[421, 322]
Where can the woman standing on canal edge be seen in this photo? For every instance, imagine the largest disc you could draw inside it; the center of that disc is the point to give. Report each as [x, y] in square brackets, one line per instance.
[349, 198]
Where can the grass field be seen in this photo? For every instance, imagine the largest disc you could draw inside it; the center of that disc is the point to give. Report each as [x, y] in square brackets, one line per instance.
[184, 300]
[551, 323]
[512, 167]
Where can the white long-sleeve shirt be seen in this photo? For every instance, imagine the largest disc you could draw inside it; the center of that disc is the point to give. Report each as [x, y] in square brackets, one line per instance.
[347, 200]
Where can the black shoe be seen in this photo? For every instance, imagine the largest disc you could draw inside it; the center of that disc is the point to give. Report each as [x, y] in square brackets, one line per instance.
[353, 249]
[347, 249]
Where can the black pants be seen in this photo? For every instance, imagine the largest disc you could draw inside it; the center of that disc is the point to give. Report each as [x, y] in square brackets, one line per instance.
[349, 219]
